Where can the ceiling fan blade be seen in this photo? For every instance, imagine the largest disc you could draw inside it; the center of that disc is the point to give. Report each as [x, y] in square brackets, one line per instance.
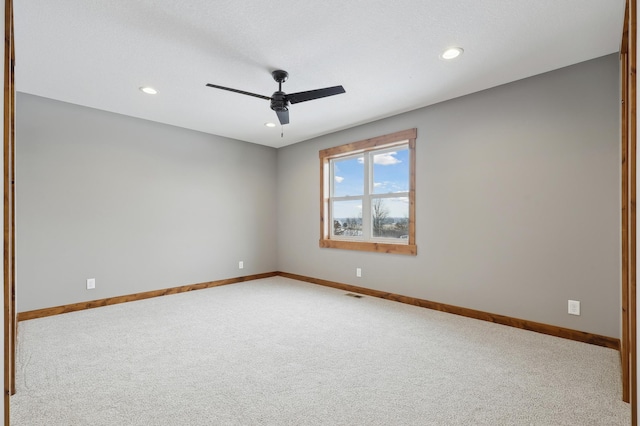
[242, 92]
[309, 95]
[283, 116]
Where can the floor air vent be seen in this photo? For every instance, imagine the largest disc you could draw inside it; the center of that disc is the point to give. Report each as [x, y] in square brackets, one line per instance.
[357, 296]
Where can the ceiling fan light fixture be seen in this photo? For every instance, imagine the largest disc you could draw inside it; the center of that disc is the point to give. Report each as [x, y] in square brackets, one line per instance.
[452, 53]
[148, 90]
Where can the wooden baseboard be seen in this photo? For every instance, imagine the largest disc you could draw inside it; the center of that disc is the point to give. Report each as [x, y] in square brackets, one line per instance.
[566, 333]
[40, 313]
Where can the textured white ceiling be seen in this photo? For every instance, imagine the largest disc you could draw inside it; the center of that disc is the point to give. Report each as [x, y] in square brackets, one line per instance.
[97, 53]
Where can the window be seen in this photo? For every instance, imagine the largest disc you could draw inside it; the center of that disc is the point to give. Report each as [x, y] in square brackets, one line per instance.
[368, 195]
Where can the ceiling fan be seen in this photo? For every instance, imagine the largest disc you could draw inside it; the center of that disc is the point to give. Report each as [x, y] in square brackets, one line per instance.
[280, 100]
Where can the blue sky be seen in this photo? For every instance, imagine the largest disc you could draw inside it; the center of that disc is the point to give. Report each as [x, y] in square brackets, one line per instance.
[390, 175]
[348, 177]
[391, 172]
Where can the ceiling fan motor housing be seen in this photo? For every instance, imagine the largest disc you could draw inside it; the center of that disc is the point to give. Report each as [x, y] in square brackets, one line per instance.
[279, 101]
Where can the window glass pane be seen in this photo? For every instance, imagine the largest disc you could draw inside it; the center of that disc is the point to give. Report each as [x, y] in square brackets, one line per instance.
[348, 176]
[347, 218]
[391, 172]
[390, 217]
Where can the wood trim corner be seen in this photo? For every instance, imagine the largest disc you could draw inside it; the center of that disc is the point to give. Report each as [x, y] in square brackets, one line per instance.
[632, 111]
[628, 351]
[9, 209]
[624, 208]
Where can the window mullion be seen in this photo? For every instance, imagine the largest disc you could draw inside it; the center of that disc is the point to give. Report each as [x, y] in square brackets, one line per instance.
[366, 199]
[346, 198]
[332, 177]
[391, 195]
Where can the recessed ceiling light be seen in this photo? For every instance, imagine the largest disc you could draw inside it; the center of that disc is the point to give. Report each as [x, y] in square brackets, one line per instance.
[452, 53]
[149, 90]
[270, 124]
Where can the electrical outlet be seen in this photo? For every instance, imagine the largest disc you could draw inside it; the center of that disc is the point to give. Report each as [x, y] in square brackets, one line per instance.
[241, 265]
[358, 272]
[91, 283]
[574, 307]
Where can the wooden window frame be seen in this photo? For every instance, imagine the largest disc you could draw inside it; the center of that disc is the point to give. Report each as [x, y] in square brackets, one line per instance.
[405, 137]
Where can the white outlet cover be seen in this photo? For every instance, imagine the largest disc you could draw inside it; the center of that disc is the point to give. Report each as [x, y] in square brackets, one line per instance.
[240, 265]
[574, 307]
[91, 283]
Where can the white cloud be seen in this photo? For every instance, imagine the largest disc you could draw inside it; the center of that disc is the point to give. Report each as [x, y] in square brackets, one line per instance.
[339, 179]
[377, 184]
[386, 159]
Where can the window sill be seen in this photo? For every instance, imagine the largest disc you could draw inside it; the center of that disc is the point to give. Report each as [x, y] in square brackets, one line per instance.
[407, 249]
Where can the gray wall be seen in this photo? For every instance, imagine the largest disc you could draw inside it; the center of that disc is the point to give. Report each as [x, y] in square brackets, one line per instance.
[517, 203]
[518, 199]
[135, 204]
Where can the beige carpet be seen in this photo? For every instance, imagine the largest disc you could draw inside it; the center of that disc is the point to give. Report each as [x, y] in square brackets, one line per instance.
[282, 352]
